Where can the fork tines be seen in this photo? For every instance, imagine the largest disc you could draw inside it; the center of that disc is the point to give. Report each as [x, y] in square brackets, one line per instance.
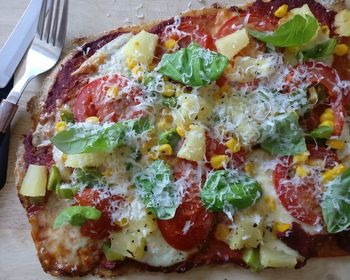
[52, 15]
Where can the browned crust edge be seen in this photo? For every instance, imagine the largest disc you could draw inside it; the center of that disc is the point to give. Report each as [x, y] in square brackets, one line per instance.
[35, 108]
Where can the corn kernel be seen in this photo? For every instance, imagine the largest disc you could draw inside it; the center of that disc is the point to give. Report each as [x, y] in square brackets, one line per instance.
[123, 222]
[113, 92]
[165, 149]
[281, 227]
[131, 63]
[325, 30]
[327, 123]
[64, 158]
[170, 44]
[225, 88]
[301, 158]
[341, 49]
[249, 168]
[169, 90]
[108, 172]
[281, 11]
[181, 131]
[219, 161]
[222, 232]
[60, 126]
[233, 145]
[327, 115]
[92, 120]
[330, 174]
[270, 202]
[302, 171]
[336, 144]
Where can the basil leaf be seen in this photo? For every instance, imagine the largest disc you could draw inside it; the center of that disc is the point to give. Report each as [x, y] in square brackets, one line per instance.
[225, 188]
[322, 132]
[95, 138]
[170, 137]
[295, 32]
[76, 216]
[283, 136]
[155, 185]
[320, 50]
[88, 177]
[193, 66]
[336, 203]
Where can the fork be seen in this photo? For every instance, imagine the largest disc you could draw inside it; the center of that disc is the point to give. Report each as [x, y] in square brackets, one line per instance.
[42, 55]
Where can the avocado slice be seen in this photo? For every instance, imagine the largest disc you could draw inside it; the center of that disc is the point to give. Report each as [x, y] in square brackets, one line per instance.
[252, 258]
[54, 178]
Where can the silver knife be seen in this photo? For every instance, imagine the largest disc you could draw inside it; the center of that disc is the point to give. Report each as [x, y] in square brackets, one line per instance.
[18, 42]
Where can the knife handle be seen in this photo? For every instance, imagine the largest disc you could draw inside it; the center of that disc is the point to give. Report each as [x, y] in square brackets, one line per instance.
[7, 112]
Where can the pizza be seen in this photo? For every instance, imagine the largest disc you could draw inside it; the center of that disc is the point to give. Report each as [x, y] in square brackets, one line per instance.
[217, 136]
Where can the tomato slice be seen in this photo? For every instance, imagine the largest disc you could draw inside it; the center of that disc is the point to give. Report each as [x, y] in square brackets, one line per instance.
[213, 147]
[318, 73]
[251, 21]
[190, 31]
[94, 100]
[301, 199]
[100, 228]
[192, 223]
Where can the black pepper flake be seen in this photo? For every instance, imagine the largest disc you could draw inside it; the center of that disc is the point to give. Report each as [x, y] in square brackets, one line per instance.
[145, 249]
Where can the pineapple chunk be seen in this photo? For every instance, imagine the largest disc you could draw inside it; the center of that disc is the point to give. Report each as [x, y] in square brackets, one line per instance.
[248, 68]
[141, 47]
[86, 160]
[342, 23]
[34, 182]
[248, 230]
[274, 253]
[232, 44]
[131, 240]
[193, 147]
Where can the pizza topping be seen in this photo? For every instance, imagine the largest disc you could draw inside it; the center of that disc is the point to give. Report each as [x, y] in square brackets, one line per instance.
[295, 32]
[54, 178]
[336, 203]
[232, 44]
[155, 185]
[342, 23]
[320, 51]
[225, 189]
[193, 66]
[34, 182]
[95, 138]
[76, 216]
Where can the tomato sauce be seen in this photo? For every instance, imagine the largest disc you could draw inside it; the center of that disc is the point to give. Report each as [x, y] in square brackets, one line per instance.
[36, 155]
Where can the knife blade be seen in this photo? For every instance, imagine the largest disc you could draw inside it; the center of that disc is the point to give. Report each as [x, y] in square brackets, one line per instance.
[18, 42]
[4, 140]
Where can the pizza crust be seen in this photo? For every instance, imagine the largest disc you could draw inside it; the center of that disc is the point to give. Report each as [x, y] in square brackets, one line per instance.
[35, 108]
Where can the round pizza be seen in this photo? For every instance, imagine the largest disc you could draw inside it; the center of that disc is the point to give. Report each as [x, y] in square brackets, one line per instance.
[218, 136]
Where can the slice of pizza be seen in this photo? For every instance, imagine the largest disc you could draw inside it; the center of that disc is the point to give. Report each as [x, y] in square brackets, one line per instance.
[218, 136]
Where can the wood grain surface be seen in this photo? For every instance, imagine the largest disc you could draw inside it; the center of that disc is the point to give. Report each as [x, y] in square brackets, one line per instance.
[17, 253]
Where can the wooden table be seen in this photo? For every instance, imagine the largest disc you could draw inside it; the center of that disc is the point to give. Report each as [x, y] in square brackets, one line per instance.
[17, 253]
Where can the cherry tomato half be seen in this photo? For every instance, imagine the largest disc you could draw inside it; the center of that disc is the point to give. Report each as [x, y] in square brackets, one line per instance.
[302, 200]
[192, 223]
[94, 100]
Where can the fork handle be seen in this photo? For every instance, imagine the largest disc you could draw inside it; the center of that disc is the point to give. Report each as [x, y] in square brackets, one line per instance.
[7, 112]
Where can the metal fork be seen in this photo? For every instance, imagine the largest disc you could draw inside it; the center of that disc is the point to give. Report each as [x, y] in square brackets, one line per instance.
[42, 55]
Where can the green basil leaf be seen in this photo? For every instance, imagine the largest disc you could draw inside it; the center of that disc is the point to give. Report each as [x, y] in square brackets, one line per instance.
[155, 184]
[193, 66]
[322, 132]
[76, 216]
[170, 137]
[225, 188]
[94, 138]
[284, 136]
[88, 177]
[320, 50]
[295, 32]
[336, 203]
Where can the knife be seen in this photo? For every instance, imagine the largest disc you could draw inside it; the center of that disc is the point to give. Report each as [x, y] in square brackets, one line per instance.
[4, 139]
[10, 56]
[18, 42]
